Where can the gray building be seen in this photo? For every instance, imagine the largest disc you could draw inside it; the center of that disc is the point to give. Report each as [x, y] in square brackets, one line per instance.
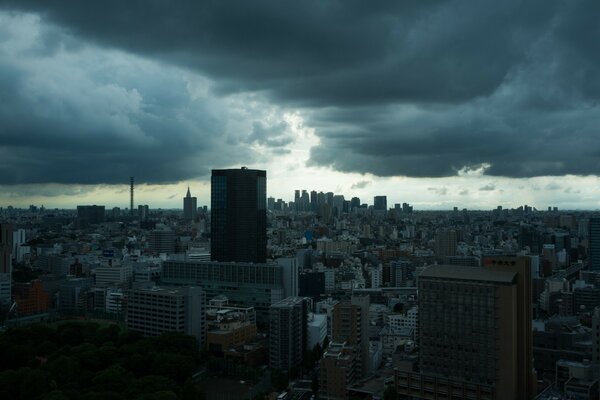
[253, 285]
[288, 332]
[156, 310]
[161, 241]
[6, 243]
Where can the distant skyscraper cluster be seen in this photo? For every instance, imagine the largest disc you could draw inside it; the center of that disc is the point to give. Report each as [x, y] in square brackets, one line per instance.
[328, 205]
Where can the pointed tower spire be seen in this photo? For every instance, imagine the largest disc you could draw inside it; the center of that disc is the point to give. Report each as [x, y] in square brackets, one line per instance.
[188, 193]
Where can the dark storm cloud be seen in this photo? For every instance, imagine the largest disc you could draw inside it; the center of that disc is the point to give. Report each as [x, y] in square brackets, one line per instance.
[418, 88]
[78, 116]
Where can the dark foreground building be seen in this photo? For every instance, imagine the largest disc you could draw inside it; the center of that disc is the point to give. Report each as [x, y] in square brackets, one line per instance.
[239, 215]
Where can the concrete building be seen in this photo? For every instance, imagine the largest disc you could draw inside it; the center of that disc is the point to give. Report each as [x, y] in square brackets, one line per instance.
[288, 332]
[350, 321]
[317, 329]
[468, 321]
[228, 326]
[115, 300]
[6, 237]
[107, 275]
[521, 266]
[445, 244]
[337, 371]
[156, 310]
[31, 298]
[249, 284]
[161, 240]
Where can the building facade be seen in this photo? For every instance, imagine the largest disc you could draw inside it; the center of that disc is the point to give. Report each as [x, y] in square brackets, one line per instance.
[190, 206]
[288, 336]
[156, 310]
[253, 285]
[468, 324]
[239, 215]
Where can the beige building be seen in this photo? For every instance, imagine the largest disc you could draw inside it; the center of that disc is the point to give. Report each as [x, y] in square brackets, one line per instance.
[469, 330]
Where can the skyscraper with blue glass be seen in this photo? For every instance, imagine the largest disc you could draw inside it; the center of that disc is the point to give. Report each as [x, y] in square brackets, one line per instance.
[239, 215]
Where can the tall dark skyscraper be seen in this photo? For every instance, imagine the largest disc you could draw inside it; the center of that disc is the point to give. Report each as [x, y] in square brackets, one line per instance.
[594, 235]
[239, 215]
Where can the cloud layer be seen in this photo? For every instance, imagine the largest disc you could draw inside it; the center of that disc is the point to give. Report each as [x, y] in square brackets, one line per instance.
[417, 88]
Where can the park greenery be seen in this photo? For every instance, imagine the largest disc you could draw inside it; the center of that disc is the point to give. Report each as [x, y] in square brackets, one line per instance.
[87, 360]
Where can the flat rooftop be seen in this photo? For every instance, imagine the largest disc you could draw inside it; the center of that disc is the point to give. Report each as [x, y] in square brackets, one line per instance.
[453, 272]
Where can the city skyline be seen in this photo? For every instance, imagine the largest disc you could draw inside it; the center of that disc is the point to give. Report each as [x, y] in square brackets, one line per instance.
[356, 105]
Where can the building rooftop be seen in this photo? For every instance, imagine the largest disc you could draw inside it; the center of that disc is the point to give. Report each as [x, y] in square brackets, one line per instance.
[467, 273]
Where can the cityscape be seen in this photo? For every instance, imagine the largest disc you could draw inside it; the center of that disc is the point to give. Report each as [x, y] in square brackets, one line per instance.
[318, 296]
[299, 200]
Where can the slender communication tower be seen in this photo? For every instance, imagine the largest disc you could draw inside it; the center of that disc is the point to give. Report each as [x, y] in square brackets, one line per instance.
[131, 195]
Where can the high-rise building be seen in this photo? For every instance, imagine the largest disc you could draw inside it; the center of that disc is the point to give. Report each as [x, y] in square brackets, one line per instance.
[6, 243]
[153, 311]
[190, 206]
[521, 266]
[143, 212]
[445, 243]
[469, 337]
[594, 238]
[239, 215]
[337, 371]
[288, 335]
[380, 203]
[350, 325]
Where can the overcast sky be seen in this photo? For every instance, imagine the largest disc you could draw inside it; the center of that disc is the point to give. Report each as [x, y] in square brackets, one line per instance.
[436, 103]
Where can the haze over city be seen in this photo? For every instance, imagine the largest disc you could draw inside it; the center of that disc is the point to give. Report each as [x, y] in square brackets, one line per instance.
[440, 104]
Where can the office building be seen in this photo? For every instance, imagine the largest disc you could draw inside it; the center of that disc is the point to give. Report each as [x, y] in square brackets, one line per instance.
[228, 326]
[594, 240]
[143, 212]
[288, 336]
[6, 237]
[190, 206]
[31, 298]
[350, 325]
[253, 285]
[521, 266]
[161, 241]
[239, 215]
[107, 275]
[156, 310]
[90, 214]
[445, 244]
[6, 244]
[380, 203]
[337, 371]
[468, 323]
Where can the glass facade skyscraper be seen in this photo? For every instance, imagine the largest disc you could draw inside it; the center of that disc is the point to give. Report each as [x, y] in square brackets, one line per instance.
[594, 235]
[239, 215]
